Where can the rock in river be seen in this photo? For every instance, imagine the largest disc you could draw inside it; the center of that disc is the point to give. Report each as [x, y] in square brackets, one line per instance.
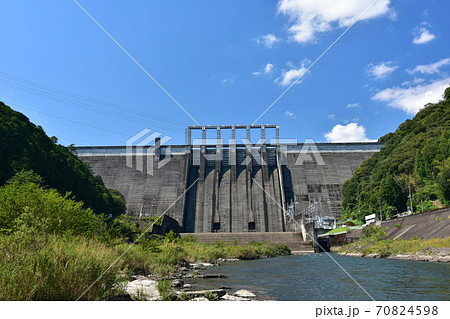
[177, 283]
[244, 293]
[143, 288]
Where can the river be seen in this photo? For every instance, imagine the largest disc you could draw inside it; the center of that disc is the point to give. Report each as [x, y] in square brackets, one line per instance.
[318, 277]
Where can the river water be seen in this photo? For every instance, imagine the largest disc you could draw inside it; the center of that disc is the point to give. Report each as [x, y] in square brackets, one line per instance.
[318, 277]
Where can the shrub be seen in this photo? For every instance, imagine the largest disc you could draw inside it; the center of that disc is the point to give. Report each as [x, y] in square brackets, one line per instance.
[25, 207]
[373, 233]
[211, 296]
[151, 242]
[123, 226]
[281, 250]
[166, 291]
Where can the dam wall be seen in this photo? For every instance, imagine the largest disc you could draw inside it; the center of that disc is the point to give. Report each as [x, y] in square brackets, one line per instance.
[145, 194]
[228, 188]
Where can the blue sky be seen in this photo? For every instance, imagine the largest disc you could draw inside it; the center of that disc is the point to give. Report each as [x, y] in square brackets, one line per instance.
[224, 62]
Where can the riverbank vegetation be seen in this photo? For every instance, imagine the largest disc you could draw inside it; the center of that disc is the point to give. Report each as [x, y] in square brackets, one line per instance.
[415, 158]
[52, 248]
[374, 241]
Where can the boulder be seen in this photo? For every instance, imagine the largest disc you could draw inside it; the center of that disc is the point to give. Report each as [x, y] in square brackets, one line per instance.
[206, 264]
[224, 287]
[197, 266]
[244, 293]
[228, 297]
[143, 288]
[177, 283]
[211, 276]
[201, 293]
[200, 299]
[227, 259]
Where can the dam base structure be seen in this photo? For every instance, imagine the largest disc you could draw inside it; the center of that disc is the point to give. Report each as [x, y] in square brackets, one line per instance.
[233, 187]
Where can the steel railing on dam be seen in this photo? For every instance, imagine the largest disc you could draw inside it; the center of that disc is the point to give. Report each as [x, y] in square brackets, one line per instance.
[234, 192]
[183, 149]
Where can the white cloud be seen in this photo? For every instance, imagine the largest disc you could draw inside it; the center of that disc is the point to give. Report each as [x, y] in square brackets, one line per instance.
[289, 114]
[381, 70]
[289, 76]
[412, 99]
[309, 17]
[268, 68]
[422, 35]
[267, 40]
[352, 105]
[430, 68]
[414, 82]
[230, 79]
[351, 132]
[331, 117]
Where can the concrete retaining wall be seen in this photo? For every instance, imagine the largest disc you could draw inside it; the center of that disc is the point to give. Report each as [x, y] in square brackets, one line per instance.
[434, 224]
[427, 225]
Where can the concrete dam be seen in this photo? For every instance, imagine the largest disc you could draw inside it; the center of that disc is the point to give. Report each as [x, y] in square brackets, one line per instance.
[209, 186]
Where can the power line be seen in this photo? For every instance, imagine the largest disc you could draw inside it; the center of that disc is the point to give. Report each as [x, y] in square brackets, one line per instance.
[79, 101]
[72, 121]
[136, 62]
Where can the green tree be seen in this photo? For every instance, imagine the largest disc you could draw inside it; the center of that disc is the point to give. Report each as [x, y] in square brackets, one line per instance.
[391, 193]
[417, 153]
[25, 176]
[447, 94]
[421, 166]
[444, 184]
[25, 146]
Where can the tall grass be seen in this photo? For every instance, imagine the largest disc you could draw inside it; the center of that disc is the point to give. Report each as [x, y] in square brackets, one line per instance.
[56, 268]
[164, 257]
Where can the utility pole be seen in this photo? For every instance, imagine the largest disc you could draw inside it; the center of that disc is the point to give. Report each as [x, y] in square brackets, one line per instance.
[359, 212]
[410, 199]
[381, 213]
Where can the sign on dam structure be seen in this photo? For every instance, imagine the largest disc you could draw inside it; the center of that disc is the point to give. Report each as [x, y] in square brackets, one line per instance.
[209, 185]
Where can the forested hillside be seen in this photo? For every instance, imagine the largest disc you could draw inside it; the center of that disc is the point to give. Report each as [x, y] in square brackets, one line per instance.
[416, 158]
[25, 146]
